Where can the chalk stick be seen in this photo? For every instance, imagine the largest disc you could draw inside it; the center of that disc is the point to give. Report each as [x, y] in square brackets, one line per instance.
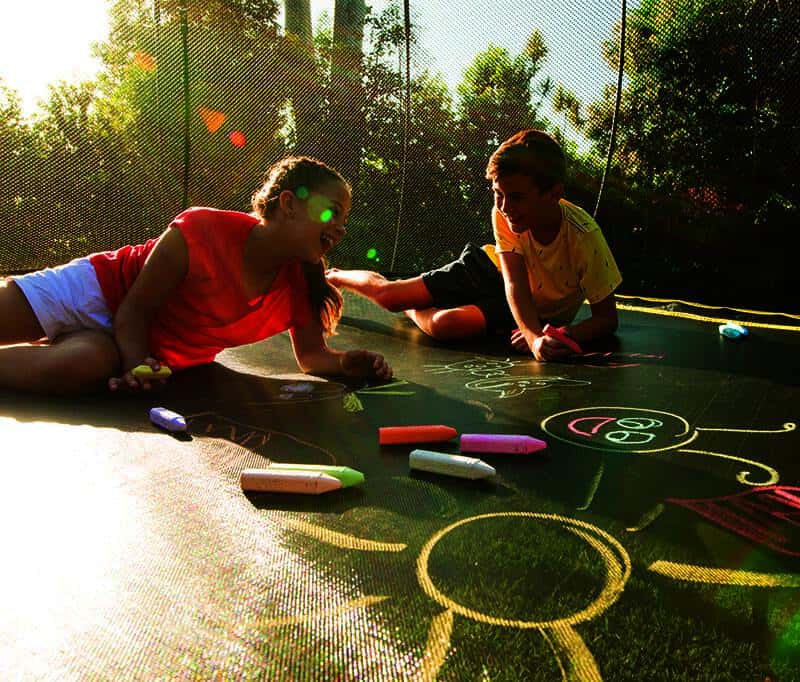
[731, 330]
[347, 476]
[449, 465]
[146, 372]
[559, 334]
[501, 443]
[424, 433]
[167, 419]
[270, 480]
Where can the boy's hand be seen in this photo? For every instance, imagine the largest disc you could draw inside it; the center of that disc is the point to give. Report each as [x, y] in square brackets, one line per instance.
[548, 349]
[365, 363]
[142, 377]
[519, 342]
[544, 348]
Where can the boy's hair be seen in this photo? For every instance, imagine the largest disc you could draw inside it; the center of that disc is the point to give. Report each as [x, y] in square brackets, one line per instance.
[303, 175]
[529, 152]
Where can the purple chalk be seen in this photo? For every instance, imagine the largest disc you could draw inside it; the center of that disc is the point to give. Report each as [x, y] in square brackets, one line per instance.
[488, 442]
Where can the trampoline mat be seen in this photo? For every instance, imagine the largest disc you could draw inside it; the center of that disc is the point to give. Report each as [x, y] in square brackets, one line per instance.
[655, 538]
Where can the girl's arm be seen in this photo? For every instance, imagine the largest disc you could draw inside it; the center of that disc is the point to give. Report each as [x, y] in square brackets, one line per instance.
[314, 357]
[164, 269]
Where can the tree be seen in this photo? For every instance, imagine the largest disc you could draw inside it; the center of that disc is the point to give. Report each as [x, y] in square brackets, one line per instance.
[497, 97]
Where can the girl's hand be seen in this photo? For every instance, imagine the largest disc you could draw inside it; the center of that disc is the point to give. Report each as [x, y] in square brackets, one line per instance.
[142, 377]
[365, 363]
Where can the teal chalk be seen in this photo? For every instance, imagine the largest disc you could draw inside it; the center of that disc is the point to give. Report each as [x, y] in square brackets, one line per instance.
[731, 330]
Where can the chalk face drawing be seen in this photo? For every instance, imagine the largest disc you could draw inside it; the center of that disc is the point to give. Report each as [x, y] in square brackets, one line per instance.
[481, 367]
[512, 386]
[622, 429]
[495, 377]
[769, 516]
[638, 430]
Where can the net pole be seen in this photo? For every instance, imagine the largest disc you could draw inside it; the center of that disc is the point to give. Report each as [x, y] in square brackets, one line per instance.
[613, 141]
[406, 125]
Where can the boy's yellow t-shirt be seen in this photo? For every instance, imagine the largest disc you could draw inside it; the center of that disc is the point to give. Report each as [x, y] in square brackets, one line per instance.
[576, 266]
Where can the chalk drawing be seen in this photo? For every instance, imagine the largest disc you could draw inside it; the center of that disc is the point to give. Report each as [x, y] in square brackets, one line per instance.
[646, 431]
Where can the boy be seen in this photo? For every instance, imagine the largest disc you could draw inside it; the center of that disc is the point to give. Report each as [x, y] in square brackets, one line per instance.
[549, 256]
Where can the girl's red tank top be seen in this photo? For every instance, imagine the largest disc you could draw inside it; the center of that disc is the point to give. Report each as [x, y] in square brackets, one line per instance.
[209, 311]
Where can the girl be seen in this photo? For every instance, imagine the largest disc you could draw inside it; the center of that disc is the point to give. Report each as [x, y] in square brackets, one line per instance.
[213, 280]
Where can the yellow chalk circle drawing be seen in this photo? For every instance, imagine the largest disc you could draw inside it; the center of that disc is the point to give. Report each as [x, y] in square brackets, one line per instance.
[636, 431]
[362, 602]
[580, 664]
[724, 576]
[342, 539]
[742, 476]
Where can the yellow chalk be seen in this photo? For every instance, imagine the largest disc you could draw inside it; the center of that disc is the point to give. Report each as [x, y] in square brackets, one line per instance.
[146, 372]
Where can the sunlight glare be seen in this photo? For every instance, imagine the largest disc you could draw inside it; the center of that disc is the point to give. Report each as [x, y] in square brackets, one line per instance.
[48, 41]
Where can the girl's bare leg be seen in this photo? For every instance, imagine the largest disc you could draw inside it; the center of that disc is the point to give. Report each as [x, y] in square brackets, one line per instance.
[394, 295]
[73, 363]
[79, 362]
[17, 320]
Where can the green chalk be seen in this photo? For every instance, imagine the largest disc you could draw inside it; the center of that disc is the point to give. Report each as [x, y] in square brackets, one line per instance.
[347, 476]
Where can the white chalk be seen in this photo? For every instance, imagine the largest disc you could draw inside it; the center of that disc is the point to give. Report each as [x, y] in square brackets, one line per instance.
[449, 465]
[167, 419]
[288, 481]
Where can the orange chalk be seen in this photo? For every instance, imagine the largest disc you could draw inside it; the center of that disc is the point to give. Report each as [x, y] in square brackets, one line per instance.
[426, 433]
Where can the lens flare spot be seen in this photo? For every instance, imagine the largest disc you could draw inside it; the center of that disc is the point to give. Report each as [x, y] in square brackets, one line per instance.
[144, 61]
[212, 119]
[302, 192]
[237, 138]
[372, 254]
[326, 215]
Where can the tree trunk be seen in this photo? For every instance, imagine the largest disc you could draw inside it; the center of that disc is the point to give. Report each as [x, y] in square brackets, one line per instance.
[304, 78]
[346, 118]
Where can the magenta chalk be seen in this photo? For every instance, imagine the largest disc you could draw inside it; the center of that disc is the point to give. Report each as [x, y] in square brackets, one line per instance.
[559, 334]
[501, 443]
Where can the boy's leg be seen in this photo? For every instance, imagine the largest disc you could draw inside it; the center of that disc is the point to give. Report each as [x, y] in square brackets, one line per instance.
[74, 363]
[394, 295]
[448, 324]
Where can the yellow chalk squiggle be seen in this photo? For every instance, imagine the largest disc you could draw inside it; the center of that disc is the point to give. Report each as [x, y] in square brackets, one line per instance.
[342, 540]
[724, 576]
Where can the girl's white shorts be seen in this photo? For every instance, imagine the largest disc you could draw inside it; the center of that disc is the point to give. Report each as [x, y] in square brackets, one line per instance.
[66, 298]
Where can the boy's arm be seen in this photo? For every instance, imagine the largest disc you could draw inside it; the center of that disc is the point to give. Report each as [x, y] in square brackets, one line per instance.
[604, 321]
[165, 268]
[523, 308]
[314, 357]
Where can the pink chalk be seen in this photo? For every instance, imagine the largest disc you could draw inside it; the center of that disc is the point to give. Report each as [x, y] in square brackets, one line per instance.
[559, 334]
[511, 444]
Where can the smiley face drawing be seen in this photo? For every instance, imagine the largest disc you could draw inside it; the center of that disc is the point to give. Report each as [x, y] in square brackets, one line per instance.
[622, 429]
[644, 431]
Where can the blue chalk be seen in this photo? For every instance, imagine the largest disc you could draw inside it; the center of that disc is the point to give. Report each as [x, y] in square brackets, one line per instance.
[731, 330]
[167, 419]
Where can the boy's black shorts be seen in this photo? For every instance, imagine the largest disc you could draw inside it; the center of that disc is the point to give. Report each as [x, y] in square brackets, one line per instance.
[473, 279]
